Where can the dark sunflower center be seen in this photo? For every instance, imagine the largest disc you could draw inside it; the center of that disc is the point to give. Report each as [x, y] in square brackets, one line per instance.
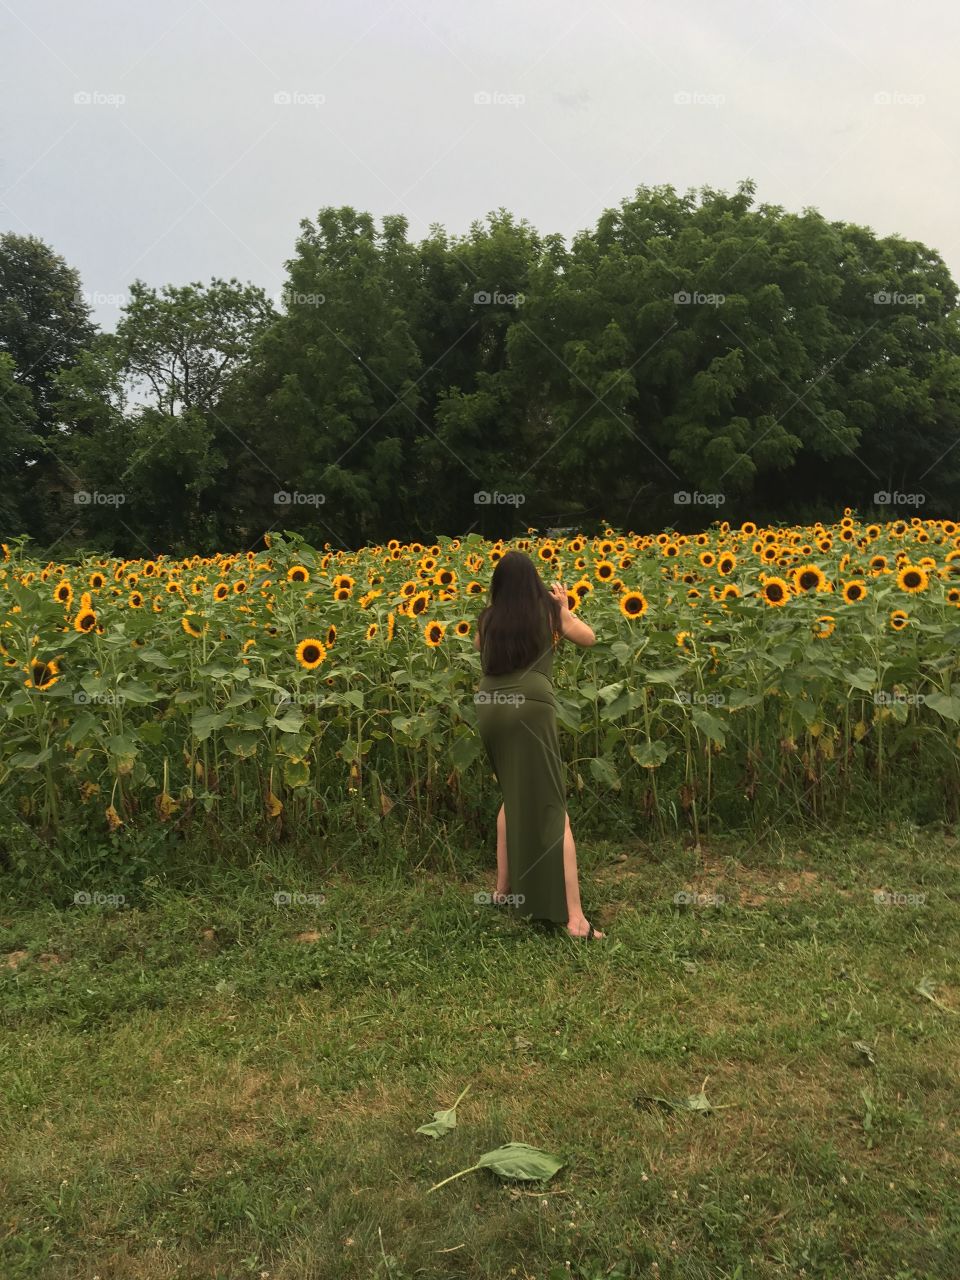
[311, 653]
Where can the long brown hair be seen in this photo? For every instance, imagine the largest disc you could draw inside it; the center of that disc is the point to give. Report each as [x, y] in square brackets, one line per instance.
[520, 619]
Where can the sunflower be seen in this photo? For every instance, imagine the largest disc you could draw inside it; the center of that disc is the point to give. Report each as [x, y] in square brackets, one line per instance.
[190, 629]
[221, 591]
[239, 587]
[474, 589]
[682, 638]
[342, 593]
[899, 619]
[310, 653]
[391, 625]
[953, 596]
[727, 563]
[41, 675]
[633, 604]
[433, 633]
[298, 573]
[419, 603]
[913, 579]
[331, 635]
[135, 600]
[96, 581]
[854, 591]
[462, 628]
[85, 620]
[63, 593]
[605, 570]
[372, 630]
[824, 626]
[776, 592]
[808, 577]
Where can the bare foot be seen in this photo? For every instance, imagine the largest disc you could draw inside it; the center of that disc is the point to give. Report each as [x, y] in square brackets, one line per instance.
[582, 928]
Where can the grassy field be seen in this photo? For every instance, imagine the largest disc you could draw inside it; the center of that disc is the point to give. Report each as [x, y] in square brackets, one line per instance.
[204, 1084]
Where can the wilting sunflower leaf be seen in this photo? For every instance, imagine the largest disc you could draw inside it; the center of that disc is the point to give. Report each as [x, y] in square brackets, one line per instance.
[925, 988]
[515, 1160]
[695, 1102]
[443, 1121]
[865, 1051]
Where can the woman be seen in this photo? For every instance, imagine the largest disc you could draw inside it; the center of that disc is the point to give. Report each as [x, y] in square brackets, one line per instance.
[516, 635]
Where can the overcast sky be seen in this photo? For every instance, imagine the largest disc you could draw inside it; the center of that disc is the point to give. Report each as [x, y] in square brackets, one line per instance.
[178, 141]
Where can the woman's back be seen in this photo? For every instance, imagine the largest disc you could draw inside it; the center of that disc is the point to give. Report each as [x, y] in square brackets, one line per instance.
[541, 662]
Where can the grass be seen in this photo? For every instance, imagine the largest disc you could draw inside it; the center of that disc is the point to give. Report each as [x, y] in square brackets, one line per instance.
[203, 1084]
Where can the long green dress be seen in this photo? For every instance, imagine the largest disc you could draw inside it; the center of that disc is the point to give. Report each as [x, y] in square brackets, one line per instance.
[517, 715]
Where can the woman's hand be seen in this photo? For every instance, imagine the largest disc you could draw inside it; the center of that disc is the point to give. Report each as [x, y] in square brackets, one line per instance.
[559, 593]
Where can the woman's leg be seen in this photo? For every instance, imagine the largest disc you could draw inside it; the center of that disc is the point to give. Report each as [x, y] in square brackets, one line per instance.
[503, 873]
[577, 922]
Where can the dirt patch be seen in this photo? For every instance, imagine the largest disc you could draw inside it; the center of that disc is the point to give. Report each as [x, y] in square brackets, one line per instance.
[754, 887]
[13, 959]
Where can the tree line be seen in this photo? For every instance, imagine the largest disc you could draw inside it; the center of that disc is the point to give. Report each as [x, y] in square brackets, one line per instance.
[694, 356]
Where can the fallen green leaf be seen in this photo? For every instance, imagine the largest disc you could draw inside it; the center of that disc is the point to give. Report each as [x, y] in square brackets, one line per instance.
[443, 1121]
[514, 1160]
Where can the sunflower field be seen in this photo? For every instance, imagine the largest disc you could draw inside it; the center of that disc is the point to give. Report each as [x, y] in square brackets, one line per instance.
[741, 677]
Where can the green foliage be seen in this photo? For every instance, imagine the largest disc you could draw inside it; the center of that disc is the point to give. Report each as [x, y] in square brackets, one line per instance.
[782, 364]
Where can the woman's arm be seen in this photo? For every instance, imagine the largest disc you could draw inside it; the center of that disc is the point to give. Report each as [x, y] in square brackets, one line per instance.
[573, 628]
